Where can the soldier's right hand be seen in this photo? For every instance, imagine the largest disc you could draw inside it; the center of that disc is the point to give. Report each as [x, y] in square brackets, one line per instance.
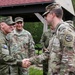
[26, 63]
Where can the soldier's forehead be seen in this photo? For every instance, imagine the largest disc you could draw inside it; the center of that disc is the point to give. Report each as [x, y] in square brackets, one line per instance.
[3, 23]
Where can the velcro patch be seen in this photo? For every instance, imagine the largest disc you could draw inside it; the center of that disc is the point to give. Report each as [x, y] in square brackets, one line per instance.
[69, 38]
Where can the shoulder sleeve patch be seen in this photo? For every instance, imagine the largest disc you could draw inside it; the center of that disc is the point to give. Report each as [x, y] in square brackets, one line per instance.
[68, 38]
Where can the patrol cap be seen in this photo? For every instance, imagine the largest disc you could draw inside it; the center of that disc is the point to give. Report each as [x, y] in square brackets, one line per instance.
[9, 21]
[50, 7]
[17, 19]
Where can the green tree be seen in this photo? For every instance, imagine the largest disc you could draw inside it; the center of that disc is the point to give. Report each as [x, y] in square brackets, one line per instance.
[36, 29]
[73, 1]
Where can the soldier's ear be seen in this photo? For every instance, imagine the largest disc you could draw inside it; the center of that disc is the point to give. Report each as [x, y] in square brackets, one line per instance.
[1, 25]
[53, 14]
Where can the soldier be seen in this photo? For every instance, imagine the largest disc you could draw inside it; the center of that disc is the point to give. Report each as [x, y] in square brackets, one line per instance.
[61, 46]
[11, 23]
[21, 46]
[5, 58]
[45, 38]
[45, 42]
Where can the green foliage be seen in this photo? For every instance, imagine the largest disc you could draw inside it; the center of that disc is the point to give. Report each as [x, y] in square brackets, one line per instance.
[36, 29]
[38, 46]
[73, 1]
[34, 71]
[40, 52]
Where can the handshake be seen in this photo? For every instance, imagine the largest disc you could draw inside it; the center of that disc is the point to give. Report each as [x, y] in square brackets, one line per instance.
[26, 63]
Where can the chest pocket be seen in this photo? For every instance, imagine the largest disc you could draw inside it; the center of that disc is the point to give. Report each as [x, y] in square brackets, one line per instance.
[5, 49]
[3, 46]
[55, 44]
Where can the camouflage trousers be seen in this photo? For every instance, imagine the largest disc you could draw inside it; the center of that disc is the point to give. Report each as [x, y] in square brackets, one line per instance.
[4, 71]
[14, 70]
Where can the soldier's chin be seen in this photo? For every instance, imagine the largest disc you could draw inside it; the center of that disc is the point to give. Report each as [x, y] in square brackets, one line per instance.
[8, 31]
[19, 29]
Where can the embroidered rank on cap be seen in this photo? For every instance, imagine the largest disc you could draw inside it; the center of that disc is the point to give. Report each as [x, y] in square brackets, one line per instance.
[68, 38]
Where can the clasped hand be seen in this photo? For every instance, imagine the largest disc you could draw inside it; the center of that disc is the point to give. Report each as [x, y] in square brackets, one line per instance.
[26, 63]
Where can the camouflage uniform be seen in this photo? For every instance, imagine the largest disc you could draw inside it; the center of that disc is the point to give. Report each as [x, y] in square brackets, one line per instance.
[62, 52]
[45, 38]
[5, 58]
[45, 42]
[61, 48]
[21, 46]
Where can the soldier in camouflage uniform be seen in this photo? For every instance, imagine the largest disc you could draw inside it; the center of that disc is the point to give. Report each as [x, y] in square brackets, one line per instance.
[11, 23]
[5, 59]
[61, 46]
[45, 42]
[21, 46]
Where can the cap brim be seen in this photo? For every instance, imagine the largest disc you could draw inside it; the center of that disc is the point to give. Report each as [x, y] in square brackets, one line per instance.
[19, 21]
[45, 13]
[11, 23]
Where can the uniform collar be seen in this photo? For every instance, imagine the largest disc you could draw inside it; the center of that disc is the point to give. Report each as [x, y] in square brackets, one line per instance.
[15, 32]
[58, 26]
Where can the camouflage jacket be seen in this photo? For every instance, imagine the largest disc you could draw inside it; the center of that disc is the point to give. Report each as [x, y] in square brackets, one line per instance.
[46, 37]
[5, 58]
[61, 51]
[21, 44]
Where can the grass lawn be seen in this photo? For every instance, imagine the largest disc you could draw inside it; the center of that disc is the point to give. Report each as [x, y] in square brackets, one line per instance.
[35, 71]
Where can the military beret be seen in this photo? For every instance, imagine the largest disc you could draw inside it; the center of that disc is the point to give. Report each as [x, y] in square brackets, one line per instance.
[17, 19]
[50, 7]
